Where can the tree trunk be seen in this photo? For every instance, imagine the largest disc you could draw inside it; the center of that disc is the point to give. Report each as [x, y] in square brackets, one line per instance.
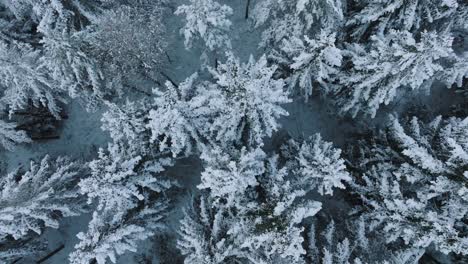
[45, 137]
[48, 256]
[247, 7]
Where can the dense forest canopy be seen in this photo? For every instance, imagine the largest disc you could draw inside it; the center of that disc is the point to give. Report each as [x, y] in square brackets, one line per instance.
[234, 131]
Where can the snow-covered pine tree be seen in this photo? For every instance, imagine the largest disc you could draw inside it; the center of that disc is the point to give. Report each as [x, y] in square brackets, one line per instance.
[128, 41]
[24, 82]
[128, 186]
[458, 19]
[173, 122]
[259, 203]
[126, 123]
[393, 63]
[381, 16]
[252, 101]
[110, 235]
[181, 116]
[263, 202]
[13, 251]
[416, 191]
[121, 178]
[206, 20]
[319, 165]
[271, 228]
[202, 231]
[457, 73]
[75, 72]
[44, 12]
[34, 198]
[310, 61]
[242, 104]
[295, 19]
[59, 63]
[327, 248]
[69, 47]
[349, 242]
[229, 176]
[408, 256]
[10, 136]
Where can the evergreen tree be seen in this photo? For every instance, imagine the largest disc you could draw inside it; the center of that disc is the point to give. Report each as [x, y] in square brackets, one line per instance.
[310, 61]
[394, 62]
[416, 191]
[228, 178]
[128, 186]
[456, 73]
[380, 16]
[126, 124]
[287, 20]
[206, 20]
[10, 136]
[109, 235]
[129, 42]
[120, 179]
[271, 228]
[203, 234]
[252, 101]
[258, 205]
[327, 248]
[320, 166]
[242, 104]
[54, 49]
[23, 81]
[351, 242]
[12, 251]
[179, 121]
[32, 199]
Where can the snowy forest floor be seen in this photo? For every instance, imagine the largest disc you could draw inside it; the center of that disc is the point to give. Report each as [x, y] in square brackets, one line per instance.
[81, 133]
